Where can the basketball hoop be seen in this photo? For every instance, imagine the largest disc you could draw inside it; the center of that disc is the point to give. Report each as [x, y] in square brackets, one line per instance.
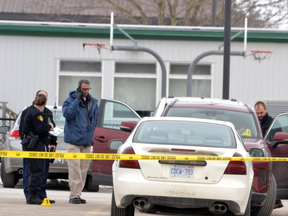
[98, 46]
[260, 55]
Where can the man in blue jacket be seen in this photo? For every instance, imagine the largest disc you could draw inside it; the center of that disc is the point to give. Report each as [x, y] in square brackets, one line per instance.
[80, 110]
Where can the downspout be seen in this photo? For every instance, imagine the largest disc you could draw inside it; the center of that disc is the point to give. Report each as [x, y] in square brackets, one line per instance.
[198, 58]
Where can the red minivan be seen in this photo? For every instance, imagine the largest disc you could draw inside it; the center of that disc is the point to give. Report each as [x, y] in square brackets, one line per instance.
[110, 116]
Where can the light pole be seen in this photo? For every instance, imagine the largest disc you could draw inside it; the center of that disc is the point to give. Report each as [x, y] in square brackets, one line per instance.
[226, 59]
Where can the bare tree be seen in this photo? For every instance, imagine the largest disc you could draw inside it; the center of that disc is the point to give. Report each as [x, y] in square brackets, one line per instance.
[260, 13]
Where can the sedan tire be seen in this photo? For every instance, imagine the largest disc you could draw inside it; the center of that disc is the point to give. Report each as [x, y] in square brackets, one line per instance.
[150, 211]
[248, 208]
[9, 179]
[115, 211]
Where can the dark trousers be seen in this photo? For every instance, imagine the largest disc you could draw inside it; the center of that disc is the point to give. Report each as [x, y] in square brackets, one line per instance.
[36, 167]
[26, 178]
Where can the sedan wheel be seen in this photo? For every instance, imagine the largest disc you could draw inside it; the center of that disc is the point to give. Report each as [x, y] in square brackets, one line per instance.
[248, 208]
[150, 211]
[9, 179]
[115, 211]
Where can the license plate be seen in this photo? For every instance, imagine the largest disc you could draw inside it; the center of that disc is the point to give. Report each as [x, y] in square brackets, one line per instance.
[58, 161]
[182, 171]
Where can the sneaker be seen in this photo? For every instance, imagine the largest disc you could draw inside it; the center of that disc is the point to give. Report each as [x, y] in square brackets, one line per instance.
[75, 200]
[34, 200]
[52, 201]
[82, 201]
[278, 205]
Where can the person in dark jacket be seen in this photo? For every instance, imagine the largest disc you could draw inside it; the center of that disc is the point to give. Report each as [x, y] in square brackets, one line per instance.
[264, 118]
[52, 142]
[265, 121]
[35, 131]
[80, 110]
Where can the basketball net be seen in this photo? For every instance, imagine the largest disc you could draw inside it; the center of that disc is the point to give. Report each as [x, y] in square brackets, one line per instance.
[260, 55]
[96, 45]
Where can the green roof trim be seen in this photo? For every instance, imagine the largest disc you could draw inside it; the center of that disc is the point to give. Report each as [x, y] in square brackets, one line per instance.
[158, 34]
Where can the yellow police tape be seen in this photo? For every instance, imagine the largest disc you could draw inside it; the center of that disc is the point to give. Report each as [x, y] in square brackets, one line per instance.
[100, 156]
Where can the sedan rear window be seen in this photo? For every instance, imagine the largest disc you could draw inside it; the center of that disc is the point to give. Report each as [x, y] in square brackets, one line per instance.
[243, 122]
[185, 133]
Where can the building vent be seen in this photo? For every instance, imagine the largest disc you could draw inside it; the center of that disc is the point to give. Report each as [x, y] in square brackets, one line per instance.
[276, 107]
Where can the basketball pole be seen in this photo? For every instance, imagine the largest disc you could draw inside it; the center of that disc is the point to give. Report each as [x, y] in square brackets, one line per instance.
[245, 37]
[111, 30]
[227, 50]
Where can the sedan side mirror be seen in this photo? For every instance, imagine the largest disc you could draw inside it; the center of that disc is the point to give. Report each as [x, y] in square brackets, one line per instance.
[4, 129]
[115, 144]
[256, 152]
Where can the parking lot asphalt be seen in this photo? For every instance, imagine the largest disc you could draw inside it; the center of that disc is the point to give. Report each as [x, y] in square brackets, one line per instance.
[12, 202]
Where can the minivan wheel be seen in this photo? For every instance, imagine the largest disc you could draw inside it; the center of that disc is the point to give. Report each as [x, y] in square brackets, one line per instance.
[9, 179]
[267, 207]
[90, 186]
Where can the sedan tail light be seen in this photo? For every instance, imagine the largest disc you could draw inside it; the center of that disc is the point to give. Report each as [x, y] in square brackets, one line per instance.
[133, 164]
[236, 167]
[15, 133]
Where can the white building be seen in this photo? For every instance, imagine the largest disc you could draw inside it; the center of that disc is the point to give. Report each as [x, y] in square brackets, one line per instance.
[50, 56]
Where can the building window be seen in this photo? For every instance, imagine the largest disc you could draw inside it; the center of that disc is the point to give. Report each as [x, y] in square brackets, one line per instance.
[183, 69]
[137, 90]
[135, 68]
[80, 66]
[201, 81]
[72, 71]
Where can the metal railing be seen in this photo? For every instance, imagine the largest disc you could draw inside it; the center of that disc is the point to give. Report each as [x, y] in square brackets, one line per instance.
[6, 112]
[8, 118]
[5, 122]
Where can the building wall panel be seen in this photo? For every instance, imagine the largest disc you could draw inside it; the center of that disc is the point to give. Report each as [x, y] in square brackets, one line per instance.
[28, 64]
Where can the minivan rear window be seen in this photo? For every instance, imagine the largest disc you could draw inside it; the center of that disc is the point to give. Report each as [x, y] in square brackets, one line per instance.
[243, 122]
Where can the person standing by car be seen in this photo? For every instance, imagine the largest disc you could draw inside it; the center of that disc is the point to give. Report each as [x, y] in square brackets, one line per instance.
[52, 142]
[35, 133]
[80, 110]
[265, 121]
[264, 118]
